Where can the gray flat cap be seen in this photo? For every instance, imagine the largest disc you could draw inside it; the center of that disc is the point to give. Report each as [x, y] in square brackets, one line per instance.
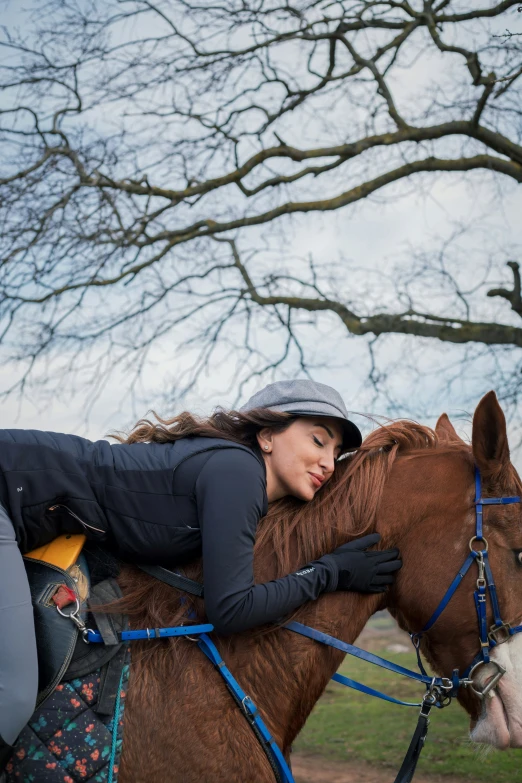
[306, 398]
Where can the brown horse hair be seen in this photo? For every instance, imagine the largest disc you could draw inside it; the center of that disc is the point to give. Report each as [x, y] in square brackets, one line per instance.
[290, 534]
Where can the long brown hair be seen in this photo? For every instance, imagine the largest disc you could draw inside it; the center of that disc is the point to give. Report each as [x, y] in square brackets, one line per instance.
[228, 424]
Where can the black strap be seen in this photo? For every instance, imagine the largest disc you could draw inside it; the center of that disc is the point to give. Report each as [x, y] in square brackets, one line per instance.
[106, 626]
[110, 683]
[407, 770]
[173, 579]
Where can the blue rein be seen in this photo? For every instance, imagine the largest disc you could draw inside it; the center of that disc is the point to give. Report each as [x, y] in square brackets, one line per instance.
[439, 690]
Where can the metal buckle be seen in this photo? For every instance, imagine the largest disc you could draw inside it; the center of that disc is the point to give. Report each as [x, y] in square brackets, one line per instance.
[251, 715]
[428, 701]
[445, 700]
[190, 638]
[504, 630]
[438, 694]
[77, 620]
[476, 538]
[491, 684]
[415, 640]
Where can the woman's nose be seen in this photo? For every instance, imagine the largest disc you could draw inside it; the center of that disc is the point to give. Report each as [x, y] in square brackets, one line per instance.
[327, 462]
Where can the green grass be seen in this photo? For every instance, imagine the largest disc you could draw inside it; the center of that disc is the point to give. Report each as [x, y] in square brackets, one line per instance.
[346, 725]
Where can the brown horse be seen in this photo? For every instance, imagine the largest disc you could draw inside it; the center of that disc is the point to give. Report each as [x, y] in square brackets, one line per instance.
[414, 486]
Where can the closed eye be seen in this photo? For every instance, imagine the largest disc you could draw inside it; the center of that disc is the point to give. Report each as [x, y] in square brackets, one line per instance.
[318, 442]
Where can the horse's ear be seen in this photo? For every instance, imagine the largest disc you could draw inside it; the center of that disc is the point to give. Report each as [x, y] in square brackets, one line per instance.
[446, 431]
[489, 440]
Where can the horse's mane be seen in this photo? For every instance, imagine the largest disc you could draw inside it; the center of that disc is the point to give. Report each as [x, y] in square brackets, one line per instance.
[296, 532]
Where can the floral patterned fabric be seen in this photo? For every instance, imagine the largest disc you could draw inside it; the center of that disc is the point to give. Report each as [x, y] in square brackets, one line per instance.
[66, 741]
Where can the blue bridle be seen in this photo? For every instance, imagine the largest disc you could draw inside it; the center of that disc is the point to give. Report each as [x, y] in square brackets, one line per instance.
[439, 690]
[500, 631]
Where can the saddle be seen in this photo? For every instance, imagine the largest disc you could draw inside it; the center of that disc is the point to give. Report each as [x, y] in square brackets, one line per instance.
[64, 601]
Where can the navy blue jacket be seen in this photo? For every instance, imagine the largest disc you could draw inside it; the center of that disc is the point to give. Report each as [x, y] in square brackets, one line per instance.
[164, 504]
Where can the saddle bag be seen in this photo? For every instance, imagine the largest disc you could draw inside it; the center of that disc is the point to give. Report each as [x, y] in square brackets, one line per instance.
[56, 634]
[62, 652]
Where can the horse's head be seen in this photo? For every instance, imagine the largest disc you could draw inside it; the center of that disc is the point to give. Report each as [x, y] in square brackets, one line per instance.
[437, 494]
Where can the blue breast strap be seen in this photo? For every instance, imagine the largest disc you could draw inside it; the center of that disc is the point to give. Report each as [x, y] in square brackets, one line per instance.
[247, 706]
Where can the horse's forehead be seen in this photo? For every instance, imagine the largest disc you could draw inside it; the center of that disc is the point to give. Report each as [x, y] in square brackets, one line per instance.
[439, 475]
[428, 502]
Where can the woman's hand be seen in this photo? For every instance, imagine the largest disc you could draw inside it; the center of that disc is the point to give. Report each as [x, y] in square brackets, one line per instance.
[362, 571]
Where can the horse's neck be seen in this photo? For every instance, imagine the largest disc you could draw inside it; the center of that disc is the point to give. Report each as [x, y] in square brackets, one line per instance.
[289, 672]
[293, 671]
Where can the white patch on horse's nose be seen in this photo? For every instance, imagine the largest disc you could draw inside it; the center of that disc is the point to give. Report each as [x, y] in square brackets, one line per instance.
[496, 719]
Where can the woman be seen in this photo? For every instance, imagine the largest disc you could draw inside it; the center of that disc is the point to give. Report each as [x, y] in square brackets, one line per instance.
[168, 494]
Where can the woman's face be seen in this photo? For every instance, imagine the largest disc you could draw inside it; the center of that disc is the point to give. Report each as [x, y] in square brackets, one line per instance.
[301, 459]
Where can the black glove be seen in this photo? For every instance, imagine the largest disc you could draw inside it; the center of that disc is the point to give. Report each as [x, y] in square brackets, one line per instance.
[361, 571]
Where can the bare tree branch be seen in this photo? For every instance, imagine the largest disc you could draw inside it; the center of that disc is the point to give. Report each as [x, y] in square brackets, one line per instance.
[514, 296]
[144, 143]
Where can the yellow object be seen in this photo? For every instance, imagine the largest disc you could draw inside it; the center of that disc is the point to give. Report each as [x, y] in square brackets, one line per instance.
[62, 551]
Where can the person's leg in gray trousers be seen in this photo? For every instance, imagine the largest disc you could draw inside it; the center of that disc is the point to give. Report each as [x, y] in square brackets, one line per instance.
[18, 658]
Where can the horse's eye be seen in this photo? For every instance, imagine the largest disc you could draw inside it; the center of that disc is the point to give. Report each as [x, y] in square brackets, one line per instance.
[518, 555]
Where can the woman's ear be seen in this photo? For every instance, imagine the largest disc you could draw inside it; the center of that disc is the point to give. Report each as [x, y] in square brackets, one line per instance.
[264, 438]
[446, 431]
[489, 440]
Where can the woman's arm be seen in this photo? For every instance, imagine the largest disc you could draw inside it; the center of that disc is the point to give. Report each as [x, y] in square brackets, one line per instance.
[230, 495]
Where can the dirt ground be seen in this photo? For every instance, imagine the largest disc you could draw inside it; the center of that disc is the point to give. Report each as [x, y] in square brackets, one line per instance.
[316, 769]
